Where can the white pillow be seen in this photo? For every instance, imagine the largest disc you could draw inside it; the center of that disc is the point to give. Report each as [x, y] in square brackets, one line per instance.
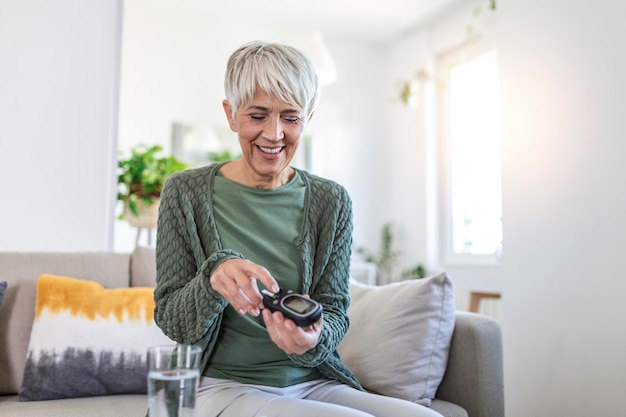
[399, 336]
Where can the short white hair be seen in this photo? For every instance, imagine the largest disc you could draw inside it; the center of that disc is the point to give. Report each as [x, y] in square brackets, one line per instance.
[282, 71]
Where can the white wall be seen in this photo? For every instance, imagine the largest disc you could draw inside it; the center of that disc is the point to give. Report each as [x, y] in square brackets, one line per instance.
[349, 133]
[564, 99]
[406, 142]
[58, 111]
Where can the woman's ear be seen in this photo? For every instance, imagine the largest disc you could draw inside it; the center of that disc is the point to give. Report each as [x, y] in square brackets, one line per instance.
[310, 116]
[229, 115]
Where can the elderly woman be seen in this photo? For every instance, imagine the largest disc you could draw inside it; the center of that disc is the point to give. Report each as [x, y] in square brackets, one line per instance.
[227, 231]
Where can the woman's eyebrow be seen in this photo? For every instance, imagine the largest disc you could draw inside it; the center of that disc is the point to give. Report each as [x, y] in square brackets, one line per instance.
[257, 107]
[296, 111]
[261, 108]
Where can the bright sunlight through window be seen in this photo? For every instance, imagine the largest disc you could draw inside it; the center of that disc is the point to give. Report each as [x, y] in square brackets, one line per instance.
[475, 197]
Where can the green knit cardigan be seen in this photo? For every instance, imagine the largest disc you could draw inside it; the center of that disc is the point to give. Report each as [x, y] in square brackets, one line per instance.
[188, 249]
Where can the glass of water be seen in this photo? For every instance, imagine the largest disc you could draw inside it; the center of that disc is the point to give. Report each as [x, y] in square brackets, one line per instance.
[173, 374]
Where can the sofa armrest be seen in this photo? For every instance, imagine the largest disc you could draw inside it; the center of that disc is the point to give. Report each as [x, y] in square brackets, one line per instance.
[474, 376]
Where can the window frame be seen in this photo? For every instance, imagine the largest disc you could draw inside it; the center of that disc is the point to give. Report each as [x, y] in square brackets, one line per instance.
[468, 50]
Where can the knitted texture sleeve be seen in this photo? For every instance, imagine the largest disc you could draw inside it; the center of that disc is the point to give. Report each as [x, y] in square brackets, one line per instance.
[186, 306]
[327, 248]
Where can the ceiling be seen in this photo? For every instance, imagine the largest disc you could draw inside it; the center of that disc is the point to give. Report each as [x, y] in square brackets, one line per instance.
[368, 19]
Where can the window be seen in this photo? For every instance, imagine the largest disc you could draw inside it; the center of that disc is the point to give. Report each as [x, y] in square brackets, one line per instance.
[470, 139]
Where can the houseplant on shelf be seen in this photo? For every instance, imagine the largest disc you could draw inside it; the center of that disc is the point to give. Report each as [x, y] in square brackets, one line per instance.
[140, 180]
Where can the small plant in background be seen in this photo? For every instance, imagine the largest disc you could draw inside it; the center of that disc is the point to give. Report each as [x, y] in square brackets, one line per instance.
[386, 258]
[417, 272]
[223, 156]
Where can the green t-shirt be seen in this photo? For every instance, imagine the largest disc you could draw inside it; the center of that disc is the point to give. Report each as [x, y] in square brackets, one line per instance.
[263, 225]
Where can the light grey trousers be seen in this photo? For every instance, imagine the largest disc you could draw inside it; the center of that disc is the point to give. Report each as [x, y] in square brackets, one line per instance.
[325, 398]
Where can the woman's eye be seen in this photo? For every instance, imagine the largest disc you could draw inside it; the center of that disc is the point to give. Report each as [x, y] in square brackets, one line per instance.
[259, 117]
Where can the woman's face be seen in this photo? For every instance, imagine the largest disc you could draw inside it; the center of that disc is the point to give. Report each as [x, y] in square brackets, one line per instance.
[269, 133]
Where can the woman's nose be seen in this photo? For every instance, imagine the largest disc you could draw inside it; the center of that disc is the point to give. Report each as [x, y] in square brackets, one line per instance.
[274, 129]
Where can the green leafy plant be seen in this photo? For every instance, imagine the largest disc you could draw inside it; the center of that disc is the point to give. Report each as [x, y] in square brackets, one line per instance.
[386, 258]
[141, 175]
[223, 156]
[417, 272]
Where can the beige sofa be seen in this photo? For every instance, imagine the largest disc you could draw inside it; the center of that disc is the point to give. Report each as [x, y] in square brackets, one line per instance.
[472, 385]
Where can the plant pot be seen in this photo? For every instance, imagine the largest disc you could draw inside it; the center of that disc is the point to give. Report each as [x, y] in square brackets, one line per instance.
[148, 214]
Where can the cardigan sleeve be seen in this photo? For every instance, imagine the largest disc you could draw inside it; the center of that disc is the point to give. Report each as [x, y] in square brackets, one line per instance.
[330, 268]
[186, 306]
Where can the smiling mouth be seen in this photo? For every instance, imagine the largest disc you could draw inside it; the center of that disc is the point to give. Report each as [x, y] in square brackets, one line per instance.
[271, 151]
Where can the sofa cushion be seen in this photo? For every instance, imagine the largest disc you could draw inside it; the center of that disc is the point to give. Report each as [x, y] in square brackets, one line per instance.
[88, 341]
[399, 336]
[106, 406]
[143, 267]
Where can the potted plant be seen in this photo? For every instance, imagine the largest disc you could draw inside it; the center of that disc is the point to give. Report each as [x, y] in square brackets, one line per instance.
[140, 180]
[387, 257]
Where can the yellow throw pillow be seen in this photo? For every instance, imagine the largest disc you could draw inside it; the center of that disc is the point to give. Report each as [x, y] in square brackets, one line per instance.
[87, 340]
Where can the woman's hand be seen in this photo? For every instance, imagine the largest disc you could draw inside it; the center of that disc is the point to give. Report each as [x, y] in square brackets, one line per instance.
[235, 280]
[288, 336]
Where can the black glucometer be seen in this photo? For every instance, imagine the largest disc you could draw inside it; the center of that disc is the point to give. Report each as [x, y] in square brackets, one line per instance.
[302, 310]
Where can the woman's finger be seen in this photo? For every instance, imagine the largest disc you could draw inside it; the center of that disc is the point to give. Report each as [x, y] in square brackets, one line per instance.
[235, 280]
